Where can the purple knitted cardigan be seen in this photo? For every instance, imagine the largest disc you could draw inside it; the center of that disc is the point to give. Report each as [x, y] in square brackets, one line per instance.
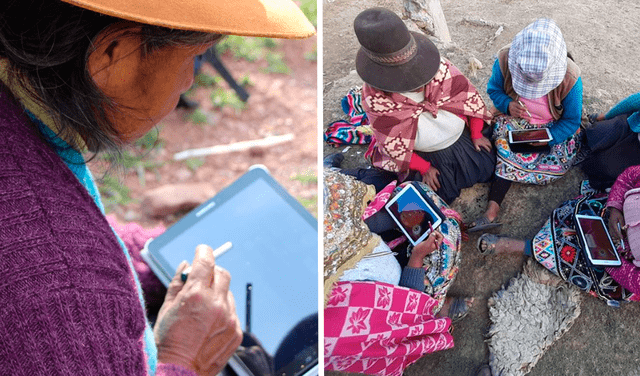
[69, 300]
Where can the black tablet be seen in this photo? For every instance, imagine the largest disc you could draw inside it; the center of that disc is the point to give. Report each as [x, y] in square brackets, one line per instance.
[273, 260]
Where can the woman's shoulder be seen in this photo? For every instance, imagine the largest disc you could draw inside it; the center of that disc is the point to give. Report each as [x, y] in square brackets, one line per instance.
[49, 221]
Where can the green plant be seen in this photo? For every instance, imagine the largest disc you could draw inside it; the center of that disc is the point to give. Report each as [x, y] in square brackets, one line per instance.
[194, 163]
[276, 63]
[245, 81]
[204, 80]
[241, 47]
[113, 192]
[311, 204]
[138, 157]
[198, 117]
[221, 98]
[150, 140]
[310, 9]
[312, 55]
[307, 178]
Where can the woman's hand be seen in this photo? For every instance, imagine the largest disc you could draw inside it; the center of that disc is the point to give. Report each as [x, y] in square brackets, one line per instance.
[430, 178]
[615, 217]
[481, 143]
[197, 326]
[517, 110]
[426, 247]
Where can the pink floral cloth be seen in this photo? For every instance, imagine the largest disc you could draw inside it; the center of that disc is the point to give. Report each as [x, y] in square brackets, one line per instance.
[379, 329]
[380, 200]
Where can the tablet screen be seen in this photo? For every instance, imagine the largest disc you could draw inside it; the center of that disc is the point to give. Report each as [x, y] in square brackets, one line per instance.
[274, 250]
[412, 213]
[597, 240]
[530, 135]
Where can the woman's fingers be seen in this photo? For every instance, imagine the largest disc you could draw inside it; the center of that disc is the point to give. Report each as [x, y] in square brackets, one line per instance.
[222, 278]
[176, 284]
[203, 267]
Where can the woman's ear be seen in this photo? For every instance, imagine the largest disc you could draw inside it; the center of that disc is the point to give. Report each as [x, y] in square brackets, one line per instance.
[115, 62]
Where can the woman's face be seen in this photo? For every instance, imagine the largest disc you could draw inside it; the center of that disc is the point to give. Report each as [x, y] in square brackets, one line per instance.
[145, 88]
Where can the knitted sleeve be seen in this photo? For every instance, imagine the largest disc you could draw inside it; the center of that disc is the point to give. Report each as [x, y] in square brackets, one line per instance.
[569, 123]
[418, 163]
[173, 370]
[475, 127]
[627, 180]
[495, 89]
[412, 278]
[627, 106]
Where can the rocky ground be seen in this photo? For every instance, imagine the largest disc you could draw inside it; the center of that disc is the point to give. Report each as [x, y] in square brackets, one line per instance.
[600, 34]
[150, 187]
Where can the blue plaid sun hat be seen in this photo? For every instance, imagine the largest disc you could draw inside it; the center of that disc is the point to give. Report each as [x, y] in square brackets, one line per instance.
[538, 59]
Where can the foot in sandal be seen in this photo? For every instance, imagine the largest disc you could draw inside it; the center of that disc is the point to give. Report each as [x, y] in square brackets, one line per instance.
[489, 244]
[482, 223]
[456, 308]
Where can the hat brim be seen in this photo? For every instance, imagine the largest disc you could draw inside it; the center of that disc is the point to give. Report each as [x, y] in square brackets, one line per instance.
[259, 18]
[409, 76]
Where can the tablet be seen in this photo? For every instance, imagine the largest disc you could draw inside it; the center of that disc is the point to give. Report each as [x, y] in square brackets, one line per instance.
[530, 135]
[596, 241]
[273, 260]
[413, 213]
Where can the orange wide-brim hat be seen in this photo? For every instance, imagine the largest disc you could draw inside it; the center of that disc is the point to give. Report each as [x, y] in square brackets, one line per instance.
[258, 18]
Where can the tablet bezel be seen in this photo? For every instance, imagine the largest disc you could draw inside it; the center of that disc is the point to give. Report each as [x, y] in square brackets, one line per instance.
[512, 141]
[161, 267]
[152, 256]
[596, 262]
[435, 225]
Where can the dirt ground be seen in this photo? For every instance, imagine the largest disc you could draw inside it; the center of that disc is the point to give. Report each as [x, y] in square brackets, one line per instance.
[278, 104]
[600, 35]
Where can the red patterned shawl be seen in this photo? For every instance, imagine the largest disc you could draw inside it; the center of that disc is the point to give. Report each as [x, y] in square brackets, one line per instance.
[394, 117]
[379, 329]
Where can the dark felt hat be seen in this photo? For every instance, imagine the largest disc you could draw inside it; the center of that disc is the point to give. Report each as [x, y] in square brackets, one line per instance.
[390, 57]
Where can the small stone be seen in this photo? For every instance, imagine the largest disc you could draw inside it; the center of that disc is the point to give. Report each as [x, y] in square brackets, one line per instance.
[176, 198]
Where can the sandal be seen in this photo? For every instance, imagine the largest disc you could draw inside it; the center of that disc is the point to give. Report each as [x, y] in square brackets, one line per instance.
[490, 241]
[483, 223]
[460, 308]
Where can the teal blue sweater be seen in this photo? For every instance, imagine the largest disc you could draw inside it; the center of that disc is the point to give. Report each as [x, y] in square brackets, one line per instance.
[630, 105]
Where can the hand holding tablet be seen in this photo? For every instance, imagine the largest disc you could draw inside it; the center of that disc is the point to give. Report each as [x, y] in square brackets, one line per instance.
[415, 214]
[596, 242]
[425, 248]
[197, 326]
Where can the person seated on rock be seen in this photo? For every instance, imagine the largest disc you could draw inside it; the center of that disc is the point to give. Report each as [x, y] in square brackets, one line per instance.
[347, 232]
[557, 248]
[612, 141]
[426, 116]
[534, 84]
[92, 76]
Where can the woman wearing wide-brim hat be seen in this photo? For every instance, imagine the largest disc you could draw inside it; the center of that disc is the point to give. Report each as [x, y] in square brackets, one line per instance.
[93, 75]
[534, 84]
[426, 116]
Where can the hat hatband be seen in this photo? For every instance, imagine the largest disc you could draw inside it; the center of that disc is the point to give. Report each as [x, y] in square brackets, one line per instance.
[394, 58]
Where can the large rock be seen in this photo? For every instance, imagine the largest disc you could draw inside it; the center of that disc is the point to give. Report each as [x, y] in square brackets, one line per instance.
[175, 198]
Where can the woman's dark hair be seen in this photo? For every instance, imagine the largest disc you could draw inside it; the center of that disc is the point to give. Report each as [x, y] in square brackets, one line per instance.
[47, 43]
